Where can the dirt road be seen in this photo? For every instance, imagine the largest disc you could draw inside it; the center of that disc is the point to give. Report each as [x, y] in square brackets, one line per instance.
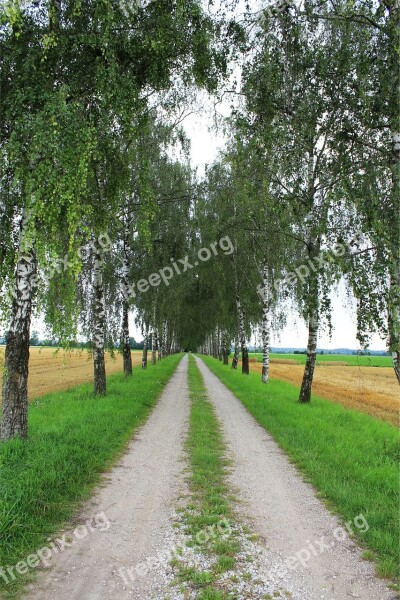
[304, 551]
[133, 512]
[285, 511]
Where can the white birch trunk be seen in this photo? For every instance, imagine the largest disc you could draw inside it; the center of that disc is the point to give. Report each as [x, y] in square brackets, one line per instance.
[219, 346]
[154, 347]
[126, 350]
[242, 337]
[394, 319]
[145, 347]
[165, 339]
[16, 369]
[225, 348]
[265, 326]
[159, 346]
[99, 326]
[313, 326]
[235, 359]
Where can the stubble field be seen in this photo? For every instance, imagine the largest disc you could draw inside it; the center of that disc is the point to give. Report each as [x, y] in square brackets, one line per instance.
[52, 371]
[369, 389]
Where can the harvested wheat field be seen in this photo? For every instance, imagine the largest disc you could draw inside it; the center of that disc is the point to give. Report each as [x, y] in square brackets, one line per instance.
[53, 372]
[373, 390]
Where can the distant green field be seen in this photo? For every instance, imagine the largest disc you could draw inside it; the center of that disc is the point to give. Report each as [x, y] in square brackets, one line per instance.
[344, 359]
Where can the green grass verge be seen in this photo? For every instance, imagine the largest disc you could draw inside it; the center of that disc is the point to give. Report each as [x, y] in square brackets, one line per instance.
[350, 458]
[210, 502]
[343, 359]
[74, 437]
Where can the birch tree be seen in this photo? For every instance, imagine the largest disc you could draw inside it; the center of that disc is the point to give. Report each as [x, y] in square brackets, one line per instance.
[292, 116]
[369, 138]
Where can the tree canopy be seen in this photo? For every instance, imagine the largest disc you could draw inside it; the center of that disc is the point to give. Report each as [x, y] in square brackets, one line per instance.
[102, 214]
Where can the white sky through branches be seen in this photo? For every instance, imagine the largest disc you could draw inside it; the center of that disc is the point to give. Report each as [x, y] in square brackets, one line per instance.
[205, 144]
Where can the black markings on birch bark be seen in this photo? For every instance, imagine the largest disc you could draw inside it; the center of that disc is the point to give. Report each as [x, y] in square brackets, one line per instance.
[394, 319]
[159, 348]
[154, 341]
[145, 333]
[225, 348]
[16, 366]
[164, 339]
[99, 325]
[235, 359]
[219, 343]
[125, 290]
[242, 337]
[265, 326]
[313, 326]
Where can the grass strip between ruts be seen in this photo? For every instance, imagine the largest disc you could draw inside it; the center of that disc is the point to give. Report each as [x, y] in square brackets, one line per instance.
[210, 502]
